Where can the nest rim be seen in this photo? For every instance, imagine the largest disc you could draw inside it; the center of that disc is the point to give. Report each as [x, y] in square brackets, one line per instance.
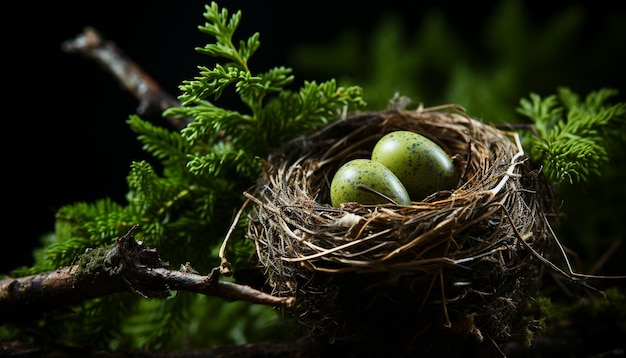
[300, 237]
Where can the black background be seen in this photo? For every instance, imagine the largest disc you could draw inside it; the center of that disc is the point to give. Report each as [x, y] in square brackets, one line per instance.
[64, 119]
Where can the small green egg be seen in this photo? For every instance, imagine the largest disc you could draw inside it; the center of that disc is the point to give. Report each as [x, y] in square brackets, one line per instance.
[421, 165]
[349, 180]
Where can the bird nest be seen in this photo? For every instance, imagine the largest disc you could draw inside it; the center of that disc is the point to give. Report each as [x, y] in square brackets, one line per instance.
[451, 271]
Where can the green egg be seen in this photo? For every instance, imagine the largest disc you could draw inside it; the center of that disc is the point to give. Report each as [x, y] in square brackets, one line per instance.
[421, 165]
[349, 180]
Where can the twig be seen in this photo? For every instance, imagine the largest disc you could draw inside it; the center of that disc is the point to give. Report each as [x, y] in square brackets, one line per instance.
[92, 45]
[225, 265]
[127, 265]
[605, 256]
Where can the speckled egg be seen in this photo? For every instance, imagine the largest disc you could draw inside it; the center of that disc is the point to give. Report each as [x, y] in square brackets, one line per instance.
[352, 178]
[421, 165]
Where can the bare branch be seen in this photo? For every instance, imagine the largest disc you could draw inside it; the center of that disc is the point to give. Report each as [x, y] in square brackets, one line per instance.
[127, 265]
[92, 45]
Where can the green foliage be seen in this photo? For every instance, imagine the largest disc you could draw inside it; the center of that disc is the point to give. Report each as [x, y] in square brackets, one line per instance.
[434, 61]
[185, 202]
[270, 121]
[597, 319]
[600, 316]
[200, 332]
[536, 314]
[594, 318]
[572, 136]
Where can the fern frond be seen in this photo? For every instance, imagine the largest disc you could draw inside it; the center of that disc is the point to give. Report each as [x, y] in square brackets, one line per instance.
[545, 112]
[168, 146]
[295, 113]
[224, 155]
[222, 27]
[573, 135]
[222, 139]
[79, 226]
[143, 187]
[157, 319]
[211, 123]
[325, 101]
[212, 82]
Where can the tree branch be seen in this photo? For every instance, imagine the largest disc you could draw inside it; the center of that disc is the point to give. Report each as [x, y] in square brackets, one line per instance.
[127, 265]
[152, 99]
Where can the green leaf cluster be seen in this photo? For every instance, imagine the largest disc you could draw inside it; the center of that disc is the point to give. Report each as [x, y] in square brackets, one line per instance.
[573, 137]
[433, 58]
[185, 201]
[274, 112]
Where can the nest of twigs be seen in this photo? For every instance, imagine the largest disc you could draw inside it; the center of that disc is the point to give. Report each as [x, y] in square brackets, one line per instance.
[451, 271]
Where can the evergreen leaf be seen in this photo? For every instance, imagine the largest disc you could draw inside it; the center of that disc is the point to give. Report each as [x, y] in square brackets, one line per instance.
[168, 146]
[573, 135]
[222, 27]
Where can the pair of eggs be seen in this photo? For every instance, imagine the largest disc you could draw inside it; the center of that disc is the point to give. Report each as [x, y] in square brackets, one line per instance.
[404, 165]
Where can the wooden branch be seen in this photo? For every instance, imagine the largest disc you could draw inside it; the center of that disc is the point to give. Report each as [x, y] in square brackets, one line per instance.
[152, 99]
[127, 265]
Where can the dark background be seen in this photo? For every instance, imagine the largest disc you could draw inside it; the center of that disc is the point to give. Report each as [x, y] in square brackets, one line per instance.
[65, 117]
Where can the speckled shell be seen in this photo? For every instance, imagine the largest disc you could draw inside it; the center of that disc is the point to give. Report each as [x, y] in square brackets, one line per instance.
[345, 184]
[420, 164]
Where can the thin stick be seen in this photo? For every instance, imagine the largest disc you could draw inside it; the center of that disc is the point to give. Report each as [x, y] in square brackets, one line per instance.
[605, 256]
[225, 265]
[572, 275]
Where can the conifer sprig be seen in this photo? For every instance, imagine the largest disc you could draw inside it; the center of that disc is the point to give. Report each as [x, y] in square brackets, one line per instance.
[223, 28]
[573, 135]
[272, 113]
